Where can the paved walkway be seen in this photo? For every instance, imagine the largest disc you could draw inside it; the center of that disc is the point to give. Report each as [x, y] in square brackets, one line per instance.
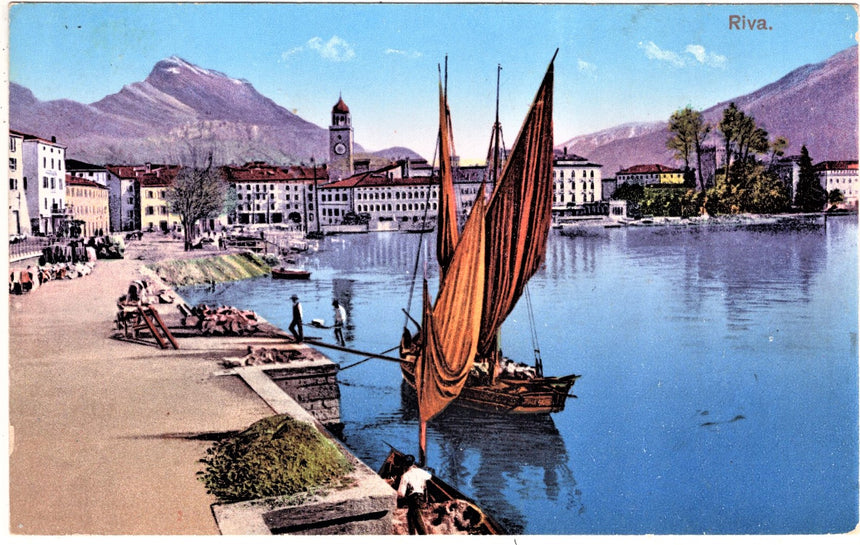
[99, 427]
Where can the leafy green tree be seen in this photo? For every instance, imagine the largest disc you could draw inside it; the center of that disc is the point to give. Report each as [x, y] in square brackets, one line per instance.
[629, 192]
[835, 196]
[810, 197]
[196, 194]
[728, 127]
[689, 132]
[767, 194]
[777, 148]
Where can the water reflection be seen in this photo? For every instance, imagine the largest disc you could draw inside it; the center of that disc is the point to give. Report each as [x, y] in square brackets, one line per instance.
[492, 456]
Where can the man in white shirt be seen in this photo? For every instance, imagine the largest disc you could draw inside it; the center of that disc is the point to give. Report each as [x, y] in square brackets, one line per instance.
[339, 321]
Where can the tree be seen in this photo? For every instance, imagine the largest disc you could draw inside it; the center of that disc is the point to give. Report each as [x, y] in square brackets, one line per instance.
[689, 132]
[835, 196]
[728, 128]
[810, 197]
[196, 194]
[777, 148]
[629, 192]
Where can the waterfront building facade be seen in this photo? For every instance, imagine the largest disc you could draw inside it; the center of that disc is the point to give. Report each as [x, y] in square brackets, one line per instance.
[653, 174]
[841, 175]
[576, 180]
[19, 216]
[44, 176]
[87, 202]
[124, 197]
[275, 195]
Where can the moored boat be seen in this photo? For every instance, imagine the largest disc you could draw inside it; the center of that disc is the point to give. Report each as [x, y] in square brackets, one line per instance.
[455, 354]
[290, 274]
[444, 509]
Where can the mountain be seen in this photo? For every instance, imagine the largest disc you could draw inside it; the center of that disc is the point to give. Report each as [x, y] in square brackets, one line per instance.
[815, 105]
[178, 108]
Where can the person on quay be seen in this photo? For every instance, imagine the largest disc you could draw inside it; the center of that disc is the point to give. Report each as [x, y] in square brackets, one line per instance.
[296, 324]
[339, 321]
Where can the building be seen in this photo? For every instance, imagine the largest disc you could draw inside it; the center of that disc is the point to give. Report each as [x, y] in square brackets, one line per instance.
[576, 181]
[87, 202]
[19, 217]
[384, 200]
[153, 183]
[124, 197]
[275, 195]
[341, 145]
[788, 170]
[841, 175]
[653, 174]
[44, 180]
[105, 177]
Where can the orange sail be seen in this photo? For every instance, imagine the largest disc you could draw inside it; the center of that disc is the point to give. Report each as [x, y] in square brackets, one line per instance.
[450, 330]
[518, 217]
[446, 239]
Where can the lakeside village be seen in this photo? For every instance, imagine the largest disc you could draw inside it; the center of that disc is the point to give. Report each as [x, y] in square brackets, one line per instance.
[65, 215]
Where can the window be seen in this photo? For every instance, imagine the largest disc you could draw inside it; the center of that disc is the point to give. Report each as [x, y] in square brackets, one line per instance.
[149, 194]
[12, 144]
[13, 183]
[13, 163]
[53, 183]
[162, 210]
[149, 211]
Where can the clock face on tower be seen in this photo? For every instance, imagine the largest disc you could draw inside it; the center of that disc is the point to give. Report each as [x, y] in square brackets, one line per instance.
[339, 148]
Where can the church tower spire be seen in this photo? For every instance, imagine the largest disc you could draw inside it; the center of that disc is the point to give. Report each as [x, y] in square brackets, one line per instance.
[341, 145]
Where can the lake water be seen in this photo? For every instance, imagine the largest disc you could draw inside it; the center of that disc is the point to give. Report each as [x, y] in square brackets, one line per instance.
[719, 389]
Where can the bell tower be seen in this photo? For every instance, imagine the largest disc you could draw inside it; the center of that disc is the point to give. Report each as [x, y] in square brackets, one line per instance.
[340, 142]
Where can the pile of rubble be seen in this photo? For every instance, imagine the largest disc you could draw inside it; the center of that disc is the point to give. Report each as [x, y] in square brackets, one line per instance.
[224, 320]
[264, 356]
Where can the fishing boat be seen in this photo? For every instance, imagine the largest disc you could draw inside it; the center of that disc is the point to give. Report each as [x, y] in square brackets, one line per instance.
[290, 274]
[445, 509]
[454, 356]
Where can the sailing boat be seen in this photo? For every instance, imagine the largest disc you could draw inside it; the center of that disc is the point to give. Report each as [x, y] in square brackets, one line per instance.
[455, 355]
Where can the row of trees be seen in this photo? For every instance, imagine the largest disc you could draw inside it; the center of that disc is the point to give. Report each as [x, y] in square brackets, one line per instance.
[746, 181]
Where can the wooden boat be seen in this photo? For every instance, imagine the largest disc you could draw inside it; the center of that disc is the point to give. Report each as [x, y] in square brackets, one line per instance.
[455, 355]
[290, 274]
[453, 512]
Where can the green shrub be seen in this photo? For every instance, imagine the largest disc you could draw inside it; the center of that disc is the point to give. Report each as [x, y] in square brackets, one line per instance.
[276, 456]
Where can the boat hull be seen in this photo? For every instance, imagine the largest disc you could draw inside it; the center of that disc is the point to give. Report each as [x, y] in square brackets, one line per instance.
[439, 492]
[290, 274]
[544, 395]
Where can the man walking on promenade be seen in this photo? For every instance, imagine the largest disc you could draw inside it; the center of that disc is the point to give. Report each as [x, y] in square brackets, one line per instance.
[339, 320]
[296, 324]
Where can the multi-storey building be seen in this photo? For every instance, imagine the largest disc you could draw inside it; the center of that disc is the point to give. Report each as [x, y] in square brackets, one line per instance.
[106, 177]
[87, 202]
[19, 217]
[841, 175]
[124, 192]
[282, 195]
[650, 175]
[153, 183]
[576, 180]
[44, 176]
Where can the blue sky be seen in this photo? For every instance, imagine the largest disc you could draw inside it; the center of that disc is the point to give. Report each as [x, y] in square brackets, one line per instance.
[617, 63]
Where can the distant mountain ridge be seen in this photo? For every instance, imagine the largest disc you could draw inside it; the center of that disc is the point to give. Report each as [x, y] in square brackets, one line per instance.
[814, 105]
[178, 106]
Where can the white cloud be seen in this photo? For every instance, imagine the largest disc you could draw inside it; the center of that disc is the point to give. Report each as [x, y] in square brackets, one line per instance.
[411, 55]
[653, 51]
[585, 66]
[695, 53]
[336, 49]
[710, 59]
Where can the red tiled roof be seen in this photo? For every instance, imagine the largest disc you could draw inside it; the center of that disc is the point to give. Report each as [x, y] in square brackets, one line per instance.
[74, 180]
[837, 165]
[263, 172]
[650, 169]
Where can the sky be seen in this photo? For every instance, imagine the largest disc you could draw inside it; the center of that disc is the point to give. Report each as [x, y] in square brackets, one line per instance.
[616, 63]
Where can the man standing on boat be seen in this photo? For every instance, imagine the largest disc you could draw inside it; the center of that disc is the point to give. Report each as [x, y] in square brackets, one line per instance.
[413, 487]
[339, 321]
[296, 324]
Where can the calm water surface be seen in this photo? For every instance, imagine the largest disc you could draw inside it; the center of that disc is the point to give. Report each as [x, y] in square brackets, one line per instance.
[719, 389]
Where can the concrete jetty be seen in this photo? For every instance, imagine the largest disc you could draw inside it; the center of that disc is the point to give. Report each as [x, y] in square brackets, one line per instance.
[105, 435]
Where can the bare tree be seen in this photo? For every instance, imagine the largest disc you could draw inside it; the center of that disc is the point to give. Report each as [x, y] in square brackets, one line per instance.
[197, 193]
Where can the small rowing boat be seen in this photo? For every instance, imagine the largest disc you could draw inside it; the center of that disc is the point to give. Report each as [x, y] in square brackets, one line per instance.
[290, 274]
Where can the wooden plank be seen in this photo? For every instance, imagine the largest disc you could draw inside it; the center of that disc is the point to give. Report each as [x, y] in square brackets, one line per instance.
[352, 350]
[167, 332]
[161, 342]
